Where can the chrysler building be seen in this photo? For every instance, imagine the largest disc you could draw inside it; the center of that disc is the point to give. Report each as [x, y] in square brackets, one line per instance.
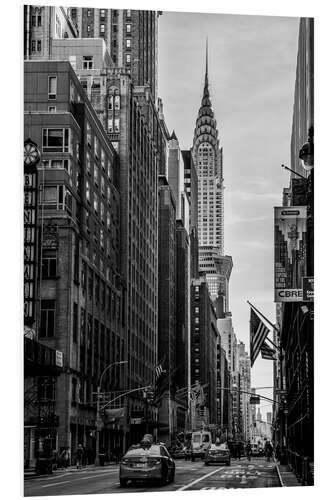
[208, 161]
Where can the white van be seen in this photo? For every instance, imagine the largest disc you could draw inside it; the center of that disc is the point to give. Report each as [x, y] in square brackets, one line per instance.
[200, 442]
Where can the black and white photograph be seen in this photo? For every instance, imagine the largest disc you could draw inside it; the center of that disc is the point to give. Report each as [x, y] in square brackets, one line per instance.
[168, 234]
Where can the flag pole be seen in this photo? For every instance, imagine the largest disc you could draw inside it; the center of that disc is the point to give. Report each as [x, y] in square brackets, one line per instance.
[269, 322]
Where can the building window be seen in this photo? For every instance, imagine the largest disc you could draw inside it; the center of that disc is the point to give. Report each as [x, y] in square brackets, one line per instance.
[103, 159]
[128, 13]
[96, 148]
[128, 28]
[39, 20]
[39, 45]
[88, 163]
[96, 175]
[102, 13]
[74, 390]
[102, 212]
[52, 109]
[49, 263]
[128, 43]
[103, 186]
[96, 203]
[56, 140]
[75, 322]
[96, 85]
[128, 58]
[102, 28]
[88, 28]
[52, 87]
[116, 125]
[88, 192]
[52, 197]
[88, 134]
[88, 12]
[33, 20]
[47, 318]
[87, 62]
[33, 45]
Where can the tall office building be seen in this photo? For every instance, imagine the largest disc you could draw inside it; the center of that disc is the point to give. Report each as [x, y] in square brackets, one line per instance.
[130, 37]
[80, 299]
[208, 161]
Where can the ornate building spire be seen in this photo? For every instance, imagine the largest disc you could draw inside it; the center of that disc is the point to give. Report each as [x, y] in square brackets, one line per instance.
[206, 75]
[205, 130]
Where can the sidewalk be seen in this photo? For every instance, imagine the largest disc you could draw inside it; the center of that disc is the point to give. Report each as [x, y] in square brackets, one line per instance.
[31, 473]
[286, 476]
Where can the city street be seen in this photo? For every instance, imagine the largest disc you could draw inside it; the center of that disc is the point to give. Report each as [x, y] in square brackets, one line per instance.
[189, 476]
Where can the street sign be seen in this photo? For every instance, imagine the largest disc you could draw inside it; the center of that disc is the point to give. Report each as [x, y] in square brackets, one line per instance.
[136, 421]
[254, 400]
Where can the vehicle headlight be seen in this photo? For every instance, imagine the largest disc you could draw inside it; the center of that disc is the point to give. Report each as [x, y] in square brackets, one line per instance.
[154, 461]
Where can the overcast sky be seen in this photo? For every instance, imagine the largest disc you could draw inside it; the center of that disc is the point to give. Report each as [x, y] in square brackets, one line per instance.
[252, 65]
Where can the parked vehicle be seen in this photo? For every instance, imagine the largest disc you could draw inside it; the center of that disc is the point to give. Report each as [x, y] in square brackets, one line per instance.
[218, 453]
[146, 462]
[200, 442]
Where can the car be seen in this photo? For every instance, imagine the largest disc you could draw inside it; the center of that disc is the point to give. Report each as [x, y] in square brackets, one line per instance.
[147, 461]
[218, 453]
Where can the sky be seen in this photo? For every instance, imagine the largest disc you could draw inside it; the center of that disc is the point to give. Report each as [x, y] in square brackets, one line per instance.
[251, 67]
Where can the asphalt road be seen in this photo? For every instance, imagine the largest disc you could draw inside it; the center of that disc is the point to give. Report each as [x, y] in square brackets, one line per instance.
[256, 473]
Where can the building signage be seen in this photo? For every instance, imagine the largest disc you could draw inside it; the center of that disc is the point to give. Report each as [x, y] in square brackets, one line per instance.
[59, 359]
[308, 289]
[290, 253]
[31, 158]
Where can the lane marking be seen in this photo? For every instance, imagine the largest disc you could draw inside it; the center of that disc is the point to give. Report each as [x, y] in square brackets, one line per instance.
[55, 484]
[78, 479]
[199, 479]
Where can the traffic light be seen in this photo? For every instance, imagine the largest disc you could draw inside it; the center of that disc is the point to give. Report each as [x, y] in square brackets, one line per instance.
[149, 394]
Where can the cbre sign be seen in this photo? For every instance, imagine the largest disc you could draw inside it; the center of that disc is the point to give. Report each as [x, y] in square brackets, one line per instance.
[290, 238]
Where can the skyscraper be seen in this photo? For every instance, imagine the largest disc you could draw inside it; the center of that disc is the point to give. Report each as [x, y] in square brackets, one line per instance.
[130, 37]
[208, 161]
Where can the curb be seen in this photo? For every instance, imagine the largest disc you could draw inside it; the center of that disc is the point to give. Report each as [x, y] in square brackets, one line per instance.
[279, 473]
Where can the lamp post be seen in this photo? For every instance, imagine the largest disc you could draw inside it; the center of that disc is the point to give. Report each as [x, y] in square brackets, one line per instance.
[98, 407]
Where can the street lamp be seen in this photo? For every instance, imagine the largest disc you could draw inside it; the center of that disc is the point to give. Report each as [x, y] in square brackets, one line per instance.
[98, 408]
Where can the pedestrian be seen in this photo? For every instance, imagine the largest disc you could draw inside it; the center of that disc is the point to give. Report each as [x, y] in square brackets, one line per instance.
[248, 450]
[65, 458]
[79, 456]
[268, 450]
[117, 453]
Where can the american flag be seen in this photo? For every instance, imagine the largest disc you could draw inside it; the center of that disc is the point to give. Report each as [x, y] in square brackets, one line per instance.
[267, 352]
[258, 333]
[159, 371]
